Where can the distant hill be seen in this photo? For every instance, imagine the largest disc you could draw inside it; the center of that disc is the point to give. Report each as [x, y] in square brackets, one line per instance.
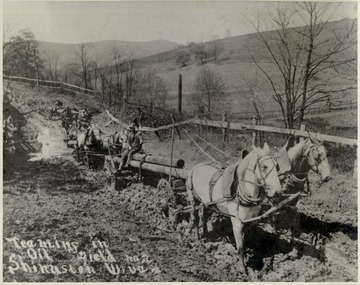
[233, 62]
[101, 50]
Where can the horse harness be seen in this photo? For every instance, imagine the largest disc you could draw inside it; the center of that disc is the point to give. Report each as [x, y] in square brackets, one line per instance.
[315, 165]
[291, 181]
[240, 196]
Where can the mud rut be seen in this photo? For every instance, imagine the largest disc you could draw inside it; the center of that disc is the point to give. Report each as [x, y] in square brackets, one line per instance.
[54, 195]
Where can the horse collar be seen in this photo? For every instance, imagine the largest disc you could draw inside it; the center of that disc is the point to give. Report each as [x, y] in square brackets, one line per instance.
[243, 198]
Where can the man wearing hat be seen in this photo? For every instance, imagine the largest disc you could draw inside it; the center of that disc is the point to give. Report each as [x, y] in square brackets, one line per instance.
[134, 141]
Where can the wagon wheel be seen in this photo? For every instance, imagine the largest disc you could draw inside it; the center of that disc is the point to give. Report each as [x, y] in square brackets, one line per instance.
[77, 152]
[111, 173]
[167, 200]
[87, 160]
[166, 193]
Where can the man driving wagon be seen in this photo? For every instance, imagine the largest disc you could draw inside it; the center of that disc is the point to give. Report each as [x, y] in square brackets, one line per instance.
[134, 143]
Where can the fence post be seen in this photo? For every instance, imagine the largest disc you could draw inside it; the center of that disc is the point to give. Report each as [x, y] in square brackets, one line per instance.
[302, 128]
[254, 133]
[355, 172]
[224, 128]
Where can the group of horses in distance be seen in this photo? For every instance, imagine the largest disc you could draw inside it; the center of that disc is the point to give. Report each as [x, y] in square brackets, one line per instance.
[78, 126]
[239, 190]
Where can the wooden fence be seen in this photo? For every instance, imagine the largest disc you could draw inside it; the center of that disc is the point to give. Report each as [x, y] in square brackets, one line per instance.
[236, 117]
[300, 133]
[52, 84]
[334, 107]
[253, 127]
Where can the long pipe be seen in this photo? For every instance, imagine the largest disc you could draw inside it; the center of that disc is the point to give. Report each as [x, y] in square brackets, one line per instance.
[162, 169]
[178, 163]
[175, 172]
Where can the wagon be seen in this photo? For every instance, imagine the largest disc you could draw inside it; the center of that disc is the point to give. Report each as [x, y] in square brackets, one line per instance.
[91, 159]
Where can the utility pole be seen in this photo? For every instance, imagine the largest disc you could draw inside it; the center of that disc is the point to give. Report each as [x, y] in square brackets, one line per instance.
[180, 94]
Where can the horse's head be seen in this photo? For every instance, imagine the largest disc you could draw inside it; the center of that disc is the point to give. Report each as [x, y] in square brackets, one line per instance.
[95, 135]
[263, 166]
[315, 153]
[265, 171]
[84, 114]
[65, 113]
[9, 124]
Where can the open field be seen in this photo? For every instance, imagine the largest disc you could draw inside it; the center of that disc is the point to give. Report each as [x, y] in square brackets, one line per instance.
[234, 62]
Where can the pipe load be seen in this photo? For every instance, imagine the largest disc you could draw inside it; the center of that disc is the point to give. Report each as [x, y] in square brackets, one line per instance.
[180, 173]
[178, 163]
[162, 169]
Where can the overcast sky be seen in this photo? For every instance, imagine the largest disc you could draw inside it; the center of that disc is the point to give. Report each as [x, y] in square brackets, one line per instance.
[181, 22]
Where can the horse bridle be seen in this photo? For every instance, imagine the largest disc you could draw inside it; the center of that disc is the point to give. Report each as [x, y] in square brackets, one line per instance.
[314, 166]
[244, 199]
[93, 136]
[262, 178]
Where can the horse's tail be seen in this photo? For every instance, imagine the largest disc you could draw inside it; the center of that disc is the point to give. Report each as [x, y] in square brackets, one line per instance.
[190, 187]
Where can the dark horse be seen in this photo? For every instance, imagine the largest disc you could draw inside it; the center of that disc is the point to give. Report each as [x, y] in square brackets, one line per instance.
[69, 117]
[90, 139]
[294, 161]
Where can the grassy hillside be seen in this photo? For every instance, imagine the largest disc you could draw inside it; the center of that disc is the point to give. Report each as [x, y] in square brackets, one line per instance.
[101, 50]
[234, 62]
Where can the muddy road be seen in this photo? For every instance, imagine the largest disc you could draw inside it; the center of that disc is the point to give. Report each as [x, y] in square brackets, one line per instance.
[64, 223]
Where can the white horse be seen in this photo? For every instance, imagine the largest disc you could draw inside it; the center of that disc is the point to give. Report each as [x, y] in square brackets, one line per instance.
[236, 192]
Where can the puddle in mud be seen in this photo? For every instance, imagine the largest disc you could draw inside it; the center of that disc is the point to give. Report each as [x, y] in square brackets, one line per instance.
[53, 145]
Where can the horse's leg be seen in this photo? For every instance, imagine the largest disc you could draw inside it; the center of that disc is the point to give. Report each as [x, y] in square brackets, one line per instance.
[193, 222]
[238, 228]
[202, 220]
[191, 202]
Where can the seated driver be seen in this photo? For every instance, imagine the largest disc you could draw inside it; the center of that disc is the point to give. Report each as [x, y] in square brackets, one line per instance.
[134, 145]
[57, 106]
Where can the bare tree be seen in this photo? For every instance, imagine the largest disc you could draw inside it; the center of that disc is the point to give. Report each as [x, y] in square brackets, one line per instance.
[210, 90]
[52, 61]
[128, 67]
[215, 47]
[117, 62]
[303, 55]
[250, 94]
[151, 89]
[183, 58]
[107, 85]
[201, 52]
[83, 58]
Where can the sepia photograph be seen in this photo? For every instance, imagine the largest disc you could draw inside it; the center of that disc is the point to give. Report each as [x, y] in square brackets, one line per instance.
[179, 141]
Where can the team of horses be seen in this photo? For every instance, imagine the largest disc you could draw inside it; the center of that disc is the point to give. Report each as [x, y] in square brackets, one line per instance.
[238, 190]
[78, 126]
